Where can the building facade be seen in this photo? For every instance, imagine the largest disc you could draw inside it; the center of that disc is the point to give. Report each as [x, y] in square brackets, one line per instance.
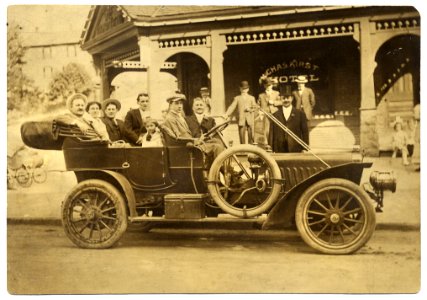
[363, 63]
[48, 53]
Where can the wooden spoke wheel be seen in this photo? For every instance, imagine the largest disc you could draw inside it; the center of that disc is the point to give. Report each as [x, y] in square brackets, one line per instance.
[94, 214]
[335, 216]
[244, 181]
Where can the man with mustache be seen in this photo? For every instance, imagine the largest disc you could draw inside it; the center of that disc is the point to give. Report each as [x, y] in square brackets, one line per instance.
[294, 119]
[78, 116]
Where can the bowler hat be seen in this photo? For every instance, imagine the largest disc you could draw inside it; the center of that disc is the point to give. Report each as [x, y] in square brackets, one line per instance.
[301, 79]
[74, 97]
[116, 102]
[176, 97]
[244, 85]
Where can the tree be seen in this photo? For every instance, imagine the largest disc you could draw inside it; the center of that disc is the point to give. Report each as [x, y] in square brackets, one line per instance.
[21, 91]
[73, 79]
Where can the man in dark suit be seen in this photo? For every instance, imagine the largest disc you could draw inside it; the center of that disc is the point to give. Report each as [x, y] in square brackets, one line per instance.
[199, 123]
[135, 118]
[116, 128]
[295, 120]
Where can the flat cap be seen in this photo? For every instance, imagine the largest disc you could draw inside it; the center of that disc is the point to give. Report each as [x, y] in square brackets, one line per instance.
[176, 97]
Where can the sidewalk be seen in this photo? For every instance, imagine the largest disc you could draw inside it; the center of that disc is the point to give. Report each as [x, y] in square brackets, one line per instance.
[41, 203]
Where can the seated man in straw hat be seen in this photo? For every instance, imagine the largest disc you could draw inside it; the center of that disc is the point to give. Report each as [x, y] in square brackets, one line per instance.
[77, 116]
[116, 129]
[176, 127]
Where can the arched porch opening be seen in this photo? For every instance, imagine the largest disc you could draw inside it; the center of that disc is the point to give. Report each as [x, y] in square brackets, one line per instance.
[191, 73]
[397, 84]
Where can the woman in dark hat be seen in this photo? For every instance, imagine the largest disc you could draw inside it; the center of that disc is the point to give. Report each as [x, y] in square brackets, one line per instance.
[116, 128]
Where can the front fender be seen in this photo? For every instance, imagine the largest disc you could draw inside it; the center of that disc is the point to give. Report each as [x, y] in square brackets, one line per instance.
[116, 179]
[283, 212]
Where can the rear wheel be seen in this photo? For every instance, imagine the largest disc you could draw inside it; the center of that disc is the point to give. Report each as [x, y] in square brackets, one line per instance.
[335, 216]
[94, 214]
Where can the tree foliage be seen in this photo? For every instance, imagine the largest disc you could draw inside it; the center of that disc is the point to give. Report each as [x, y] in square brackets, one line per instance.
[73, 79]
[21, 91]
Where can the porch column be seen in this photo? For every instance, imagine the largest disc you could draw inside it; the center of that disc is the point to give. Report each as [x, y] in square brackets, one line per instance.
[147, 51]
[218, 46]
[99, 85]
[368, 134]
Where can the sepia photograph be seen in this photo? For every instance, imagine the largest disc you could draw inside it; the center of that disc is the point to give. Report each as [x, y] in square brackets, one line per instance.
[211, 148]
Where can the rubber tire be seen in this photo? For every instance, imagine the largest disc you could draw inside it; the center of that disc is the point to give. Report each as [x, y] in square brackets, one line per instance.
[114, 195]
[226, 207]
[23, 174]
[356, 191]
[39, 175]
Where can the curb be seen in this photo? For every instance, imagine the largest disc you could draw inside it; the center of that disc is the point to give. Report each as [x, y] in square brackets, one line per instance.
[58, 222]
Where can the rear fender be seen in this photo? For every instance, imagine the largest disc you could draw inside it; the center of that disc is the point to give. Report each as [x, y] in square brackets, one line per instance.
[116, 179]
[283, 212]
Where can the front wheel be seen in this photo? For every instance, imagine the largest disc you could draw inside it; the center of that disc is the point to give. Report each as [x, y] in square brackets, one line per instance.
[94, 214]
[244, 181]
[335, 216]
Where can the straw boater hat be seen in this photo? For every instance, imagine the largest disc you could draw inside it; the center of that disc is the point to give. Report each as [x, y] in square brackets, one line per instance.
[204, 89]
[93, 102]
[116, 102]
[176, 97]
[74, 97]
[301, 79]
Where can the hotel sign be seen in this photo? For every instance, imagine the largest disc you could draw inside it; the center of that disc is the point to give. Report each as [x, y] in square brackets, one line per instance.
[288, 71]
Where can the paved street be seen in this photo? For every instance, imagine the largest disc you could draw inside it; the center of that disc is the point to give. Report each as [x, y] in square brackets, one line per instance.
[43, 261]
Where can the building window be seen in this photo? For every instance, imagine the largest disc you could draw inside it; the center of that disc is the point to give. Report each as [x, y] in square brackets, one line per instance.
[47, 52]
[71, 50]
[47, 71]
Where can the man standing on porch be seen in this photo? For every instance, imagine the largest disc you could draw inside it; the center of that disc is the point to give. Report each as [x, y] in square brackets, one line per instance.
[304, 97]
[245, 104]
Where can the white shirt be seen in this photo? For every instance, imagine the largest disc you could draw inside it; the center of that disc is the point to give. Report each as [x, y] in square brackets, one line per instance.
[287, 111]
[199, 117]
[144, 114]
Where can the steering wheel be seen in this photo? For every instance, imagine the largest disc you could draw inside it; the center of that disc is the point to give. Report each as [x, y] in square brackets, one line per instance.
[217, 128]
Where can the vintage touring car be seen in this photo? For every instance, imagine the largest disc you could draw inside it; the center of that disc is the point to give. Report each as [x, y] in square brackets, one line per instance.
[320, 194]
